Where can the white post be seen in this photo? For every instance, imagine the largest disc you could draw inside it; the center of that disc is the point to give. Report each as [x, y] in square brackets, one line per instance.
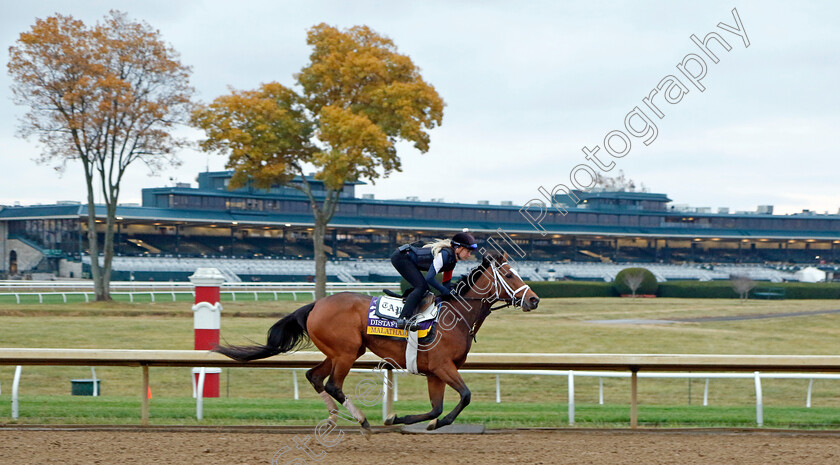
[498, 390]
[759, 407]
[571, 397]
[808, 399]
[396, 387]
[295, 382]
[15, 386]
[706, 394]
[385, 382]
[199, 395]
[95, 387]
[600, 391]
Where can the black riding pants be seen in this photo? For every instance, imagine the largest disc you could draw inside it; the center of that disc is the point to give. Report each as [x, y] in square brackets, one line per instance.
[408, 270]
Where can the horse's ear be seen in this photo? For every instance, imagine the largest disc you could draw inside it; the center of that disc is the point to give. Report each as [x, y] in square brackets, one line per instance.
[505, 256]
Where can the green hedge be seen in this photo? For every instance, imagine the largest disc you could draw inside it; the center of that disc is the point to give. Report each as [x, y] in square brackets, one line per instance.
[685, 289]
[723, 290]
[547, 289]
[648, 285]
[698, 289]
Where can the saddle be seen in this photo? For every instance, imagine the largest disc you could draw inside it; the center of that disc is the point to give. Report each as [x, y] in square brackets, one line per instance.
[384, 311]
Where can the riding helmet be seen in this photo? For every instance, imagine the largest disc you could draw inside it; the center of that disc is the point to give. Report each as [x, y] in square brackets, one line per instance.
[464, 239]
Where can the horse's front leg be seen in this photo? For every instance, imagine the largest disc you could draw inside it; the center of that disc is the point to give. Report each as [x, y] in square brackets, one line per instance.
[436, 390]
[451, 377]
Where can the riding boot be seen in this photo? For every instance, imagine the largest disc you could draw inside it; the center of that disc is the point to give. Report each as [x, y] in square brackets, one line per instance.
[407, 323]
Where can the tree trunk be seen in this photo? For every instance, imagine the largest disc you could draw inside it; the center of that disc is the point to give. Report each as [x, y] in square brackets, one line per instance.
[108, 248]
[102, 292]
[318, 236]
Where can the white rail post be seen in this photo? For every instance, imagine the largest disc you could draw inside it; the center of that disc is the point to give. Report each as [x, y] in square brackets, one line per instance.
[706, 394]
[759, 406]
[634, 405]
[199, 396]
[600, 391]
[95, 387]
[498, 390]
[295, 382]
[388, 387]
[808, 399]
[15, 386]
[571, 398]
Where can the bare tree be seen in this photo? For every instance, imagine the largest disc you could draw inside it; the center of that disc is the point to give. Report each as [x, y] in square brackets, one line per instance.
[633, 280]
[107, 96]
[742, 285]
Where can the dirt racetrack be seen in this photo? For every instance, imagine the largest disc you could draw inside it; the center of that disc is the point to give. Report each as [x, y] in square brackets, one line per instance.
[546, 447]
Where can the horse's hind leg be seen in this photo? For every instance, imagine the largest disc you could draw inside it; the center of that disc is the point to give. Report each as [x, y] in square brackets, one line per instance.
[436, 390]
[340, 369]
[316, 376]
[451, 377]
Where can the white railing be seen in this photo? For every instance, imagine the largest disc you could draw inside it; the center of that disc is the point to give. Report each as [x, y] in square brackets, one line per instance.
[757, 367]
[19, 289]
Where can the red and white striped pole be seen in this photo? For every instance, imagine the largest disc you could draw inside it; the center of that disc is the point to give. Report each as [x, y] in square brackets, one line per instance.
[207, 319]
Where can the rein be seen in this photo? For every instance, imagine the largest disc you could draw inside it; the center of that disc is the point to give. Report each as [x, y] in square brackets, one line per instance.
[500, 284]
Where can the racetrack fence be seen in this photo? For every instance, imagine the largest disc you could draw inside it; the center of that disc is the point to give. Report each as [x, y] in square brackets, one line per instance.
[60, 291]
[632, 366]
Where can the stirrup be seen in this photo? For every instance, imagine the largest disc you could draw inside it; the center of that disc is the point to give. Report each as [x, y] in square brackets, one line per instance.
[407, 323]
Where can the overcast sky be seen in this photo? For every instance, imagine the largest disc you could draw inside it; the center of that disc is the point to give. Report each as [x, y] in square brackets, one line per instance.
[527, 85]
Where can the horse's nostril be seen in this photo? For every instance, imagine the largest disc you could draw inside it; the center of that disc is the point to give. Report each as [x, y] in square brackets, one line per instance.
[535, 300]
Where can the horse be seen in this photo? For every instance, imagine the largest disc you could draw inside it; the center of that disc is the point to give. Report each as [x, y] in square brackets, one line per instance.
[336, 324]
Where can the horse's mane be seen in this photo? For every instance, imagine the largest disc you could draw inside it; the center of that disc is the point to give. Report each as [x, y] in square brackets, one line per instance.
[490, 256]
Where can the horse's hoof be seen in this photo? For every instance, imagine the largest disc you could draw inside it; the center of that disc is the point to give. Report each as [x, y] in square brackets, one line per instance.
[366, 432]
[432, 425]
[391, 419]
[333, 419]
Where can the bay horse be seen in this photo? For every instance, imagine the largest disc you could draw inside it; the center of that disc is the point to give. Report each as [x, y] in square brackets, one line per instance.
[337, 324]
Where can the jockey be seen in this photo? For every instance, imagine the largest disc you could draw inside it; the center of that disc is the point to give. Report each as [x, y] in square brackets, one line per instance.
[440, 256]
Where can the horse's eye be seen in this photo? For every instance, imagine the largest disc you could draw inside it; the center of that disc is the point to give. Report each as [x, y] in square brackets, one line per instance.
[509, 276]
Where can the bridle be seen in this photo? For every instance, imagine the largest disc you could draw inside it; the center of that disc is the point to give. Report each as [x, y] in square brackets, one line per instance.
[499, 282]
[499, 285]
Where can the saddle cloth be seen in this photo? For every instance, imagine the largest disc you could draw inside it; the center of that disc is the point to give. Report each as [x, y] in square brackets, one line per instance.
[384, 310]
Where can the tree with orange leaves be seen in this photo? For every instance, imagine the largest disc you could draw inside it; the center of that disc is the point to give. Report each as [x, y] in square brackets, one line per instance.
[106, 95]
[357, 98]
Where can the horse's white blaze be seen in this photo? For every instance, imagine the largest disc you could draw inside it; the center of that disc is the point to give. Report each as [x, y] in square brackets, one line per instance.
[357, 414]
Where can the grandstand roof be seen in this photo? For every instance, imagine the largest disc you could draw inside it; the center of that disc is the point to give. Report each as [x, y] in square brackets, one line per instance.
[622, 195]
[640, 214]
[151, 214]
[40, 211]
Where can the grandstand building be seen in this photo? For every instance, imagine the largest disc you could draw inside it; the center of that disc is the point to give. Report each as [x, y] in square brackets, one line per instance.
[266, 234]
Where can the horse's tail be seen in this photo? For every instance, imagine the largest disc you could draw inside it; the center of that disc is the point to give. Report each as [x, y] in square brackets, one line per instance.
[287, 335]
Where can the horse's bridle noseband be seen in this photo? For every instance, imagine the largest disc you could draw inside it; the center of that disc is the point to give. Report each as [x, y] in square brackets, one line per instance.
[500, 284]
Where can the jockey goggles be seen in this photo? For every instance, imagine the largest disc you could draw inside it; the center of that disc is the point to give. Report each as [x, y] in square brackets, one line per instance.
[466, 246]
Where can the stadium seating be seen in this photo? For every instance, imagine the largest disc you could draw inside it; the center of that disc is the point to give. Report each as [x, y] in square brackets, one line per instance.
[367, 270]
